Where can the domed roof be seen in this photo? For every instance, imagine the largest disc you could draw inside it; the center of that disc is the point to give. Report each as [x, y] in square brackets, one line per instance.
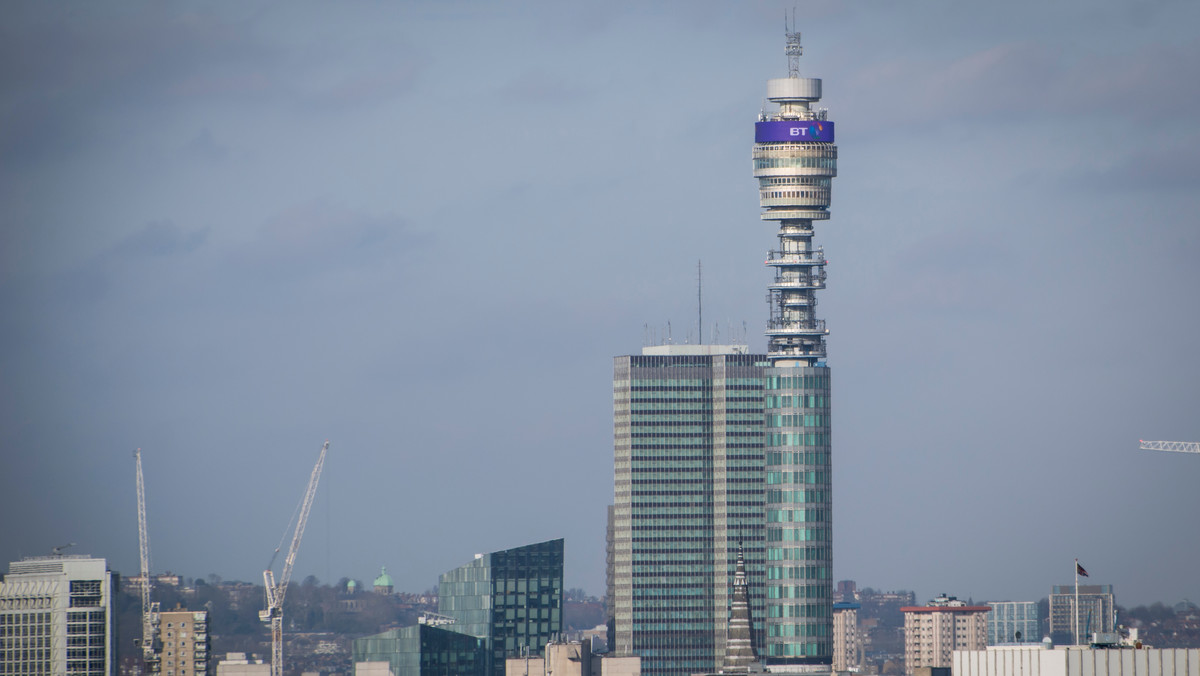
[384, 580]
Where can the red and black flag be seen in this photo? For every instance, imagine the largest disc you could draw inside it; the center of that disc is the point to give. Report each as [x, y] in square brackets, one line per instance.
[1079, 569]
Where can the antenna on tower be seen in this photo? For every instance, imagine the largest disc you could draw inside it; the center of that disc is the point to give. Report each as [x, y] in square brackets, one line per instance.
[700, 301]
[793, 49]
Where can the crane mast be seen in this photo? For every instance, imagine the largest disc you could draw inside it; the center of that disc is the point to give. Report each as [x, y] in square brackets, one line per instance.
[276, 591]
[149, 609]
[1176, 446]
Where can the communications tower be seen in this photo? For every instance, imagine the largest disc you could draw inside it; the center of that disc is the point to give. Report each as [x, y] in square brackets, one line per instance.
[795, 160]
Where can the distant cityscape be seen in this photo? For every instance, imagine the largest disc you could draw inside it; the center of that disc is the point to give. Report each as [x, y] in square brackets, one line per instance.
[332, 627]
[719, 540]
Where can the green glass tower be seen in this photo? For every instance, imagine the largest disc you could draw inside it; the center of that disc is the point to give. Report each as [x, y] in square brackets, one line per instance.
[512, 599]
[423, 650]
[795, 161]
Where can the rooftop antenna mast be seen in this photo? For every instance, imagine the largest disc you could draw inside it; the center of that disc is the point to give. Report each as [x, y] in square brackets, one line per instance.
[700, 300]
[793, 49]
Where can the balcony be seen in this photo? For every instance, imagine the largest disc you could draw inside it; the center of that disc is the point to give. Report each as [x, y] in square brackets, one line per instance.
[810, 327]
[813, 281]
[795, 258]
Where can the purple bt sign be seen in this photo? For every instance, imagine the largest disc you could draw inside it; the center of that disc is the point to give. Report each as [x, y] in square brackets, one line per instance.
[820, 131]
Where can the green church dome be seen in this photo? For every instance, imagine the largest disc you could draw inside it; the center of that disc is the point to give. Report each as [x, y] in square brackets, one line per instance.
[384, 580]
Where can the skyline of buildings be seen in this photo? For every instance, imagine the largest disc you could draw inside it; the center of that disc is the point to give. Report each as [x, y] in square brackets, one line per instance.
[795, 557]
[501, 605]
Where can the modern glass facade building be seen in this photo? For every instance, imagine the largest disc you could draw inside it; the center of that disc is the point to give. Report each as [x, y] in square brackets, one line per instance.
[714, 447]
[512, 599]
[1096, 613]
[56, 617]
[1012, 622]
[424, 650]
[688, 456]
[795, 161]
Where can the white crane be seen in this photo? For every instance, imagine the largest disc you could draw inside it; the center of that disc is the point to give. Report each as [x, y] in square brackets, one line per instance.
[149, 610]
[276, 592]
[1177, 446]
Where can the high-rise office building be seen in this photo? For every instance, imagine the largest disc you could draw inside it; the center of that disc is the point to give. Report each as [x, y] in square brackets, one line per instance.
[795, 160]
[1096, 613]
[1013, 622]
[687, 423]
[512, 599]
[56, 617]
[715, 447]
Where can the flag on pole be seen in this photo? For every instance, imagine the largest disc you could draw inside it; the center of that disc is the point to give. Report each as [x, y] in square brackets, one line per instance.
[1079, 569]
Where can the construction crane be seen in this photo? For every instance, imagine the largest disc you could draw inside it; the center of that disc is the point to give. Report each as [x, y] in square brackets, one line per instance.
[1177, 446]
[150, 652]
[276, 592]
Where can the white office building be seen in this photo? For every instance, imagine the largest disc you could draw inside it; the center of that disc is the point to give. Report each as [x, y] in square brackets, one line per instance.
[55, 617]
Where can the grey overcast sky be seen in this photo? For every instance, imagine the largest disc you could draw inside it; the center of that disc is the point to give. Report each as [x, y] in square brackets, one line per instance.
[422, 230]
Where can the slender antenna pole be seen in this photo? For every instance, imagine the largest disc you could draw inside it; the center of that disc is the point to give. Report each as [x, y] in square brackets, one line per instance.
[700, 300]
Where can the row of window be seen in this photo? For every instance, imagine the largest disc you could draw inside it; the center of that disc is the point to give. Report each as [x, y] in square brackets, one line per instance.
[797, 419]
[776, 194]
[803, 630]
[798, 610]
[24, 618]
[797, 382]
[829, 163]
[797, 439]
[796, 591]
[26, 630]
[771, 181]
[797, 573]
[797, 553]
[806, 477]
[815, 514]
[26, 642]
[798, 535]
[776, 496]
[795, 401]
[797, 458]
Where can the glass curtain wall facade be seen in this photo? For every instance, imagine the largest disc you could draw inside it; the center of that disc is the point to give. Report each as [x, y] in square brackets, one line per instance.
[798, 514]
[1097, 612]
[1013, 622]
[688, 459]
[424, 650]
[513, 599]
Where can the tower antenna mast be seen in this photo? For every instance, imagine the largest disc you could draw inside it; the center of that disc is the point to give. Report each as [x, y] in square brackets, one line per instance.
[700, 300]
[793, 48]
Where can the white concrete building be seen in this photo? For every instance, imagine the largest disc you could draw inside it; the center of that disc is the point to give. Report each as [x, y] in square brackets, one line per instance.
[55, 617]
[1076, 661]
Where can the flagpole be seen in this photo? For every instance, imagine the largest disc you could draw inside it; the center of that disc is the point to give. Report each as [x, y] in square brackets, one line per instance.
[1076, 601]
